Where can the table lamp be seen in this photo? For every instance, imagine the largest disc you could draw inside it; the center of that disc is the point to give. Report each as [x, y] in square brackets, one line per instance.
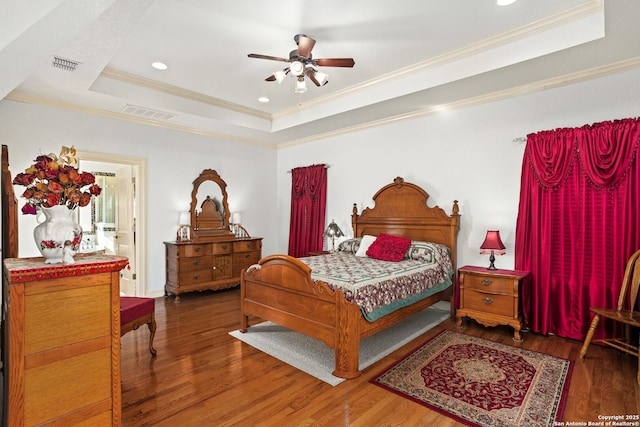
[333, 231]
[492, 245]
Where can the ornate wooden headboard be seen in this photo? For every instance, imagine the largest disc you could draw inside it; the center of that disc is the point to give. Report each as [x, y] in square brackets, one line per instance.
[401, 210]
[9, 210]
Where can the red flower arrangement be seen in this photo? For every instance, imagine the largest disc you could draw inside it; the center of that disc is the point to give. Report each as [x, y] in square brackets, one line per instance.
[55, 180]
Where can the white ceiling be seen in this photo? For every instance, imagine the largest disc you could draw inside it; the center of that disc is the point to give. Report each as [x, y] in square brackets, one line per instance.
[412, 57]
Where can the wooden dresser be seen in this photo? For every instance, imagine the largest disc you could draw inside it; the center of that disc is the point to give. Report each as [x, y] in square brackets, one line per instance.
[63, 341]
[196, 266]
[491, 297]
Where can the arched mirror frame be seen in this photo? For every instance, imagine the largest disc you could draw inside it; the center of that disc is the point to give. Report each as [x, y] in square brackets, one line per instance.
[205, 234]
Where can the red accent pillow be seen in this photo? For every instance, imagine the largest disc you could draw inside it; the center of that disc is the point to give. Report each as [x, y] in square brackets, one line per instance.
[389, 248]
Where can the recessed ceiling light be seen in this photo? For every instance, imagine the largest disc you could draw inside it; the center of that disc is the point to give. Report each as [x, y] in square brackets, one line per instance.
[504, 2]
[159, 65]
[263, 99]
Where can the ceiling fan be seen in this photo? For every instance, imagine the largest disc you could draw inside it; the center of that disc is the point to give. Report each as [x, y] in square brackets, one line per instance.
[302, 63]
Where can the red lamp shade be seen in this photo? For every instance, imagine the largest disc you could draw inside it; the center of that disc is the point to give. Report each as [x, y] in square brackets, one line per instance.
[492, 245]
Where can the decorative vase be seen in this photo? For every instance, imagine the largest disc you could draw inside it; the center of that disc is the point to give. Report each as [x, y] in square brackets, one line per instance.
[58, 237]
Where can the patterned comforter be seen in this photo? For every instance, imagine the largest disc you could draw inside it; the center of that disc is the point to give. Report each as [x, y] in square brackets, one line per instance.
[380, 287]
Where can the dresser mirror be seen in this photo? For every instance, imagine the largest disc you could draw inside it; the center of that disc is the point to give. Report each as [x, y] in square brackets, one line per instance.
[209, 209]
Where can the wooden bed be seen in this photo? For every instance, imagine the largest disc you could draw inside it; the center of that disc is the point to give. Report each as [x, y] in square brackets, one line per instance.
[280, 288]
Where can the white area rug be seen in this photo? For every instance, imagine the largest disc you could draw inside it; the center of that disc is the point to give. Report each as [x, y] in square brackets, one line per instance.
[315, 358]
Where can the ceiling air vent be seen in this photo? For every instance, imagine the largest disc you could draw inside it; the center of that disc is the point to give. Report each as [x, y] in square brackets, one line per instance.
[147, 113]
[64, 64]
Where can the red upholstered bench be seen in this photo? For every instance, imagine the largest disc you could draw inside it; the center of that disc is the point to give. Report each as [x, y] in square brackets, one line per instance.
[135, 312]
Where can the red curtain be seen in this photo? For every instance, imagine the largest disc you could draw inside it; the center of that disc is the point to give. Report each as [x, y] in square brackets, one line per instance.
[578, 223]
[308, 202]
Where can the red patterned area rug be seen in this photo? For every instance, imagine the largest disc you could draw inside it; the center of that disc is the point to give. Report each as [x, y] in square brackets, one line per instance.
[481, 383]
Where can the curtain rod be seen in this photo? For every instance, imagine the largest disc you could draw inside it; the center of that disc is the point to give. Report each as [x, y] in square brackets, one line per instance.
[325, 166]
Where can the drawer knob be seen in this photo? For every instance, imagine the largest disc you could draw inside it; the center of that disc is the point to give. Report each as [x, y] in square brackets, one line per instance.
[224, 247]
[196, 249]
[247, 256]
[214, 267]
[196, 276]
[487, 300]
[486, 282]
[196, 262]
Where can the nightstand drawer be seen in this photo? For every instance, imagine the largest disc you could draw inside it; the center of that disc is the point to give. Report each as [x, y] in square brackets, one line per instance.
[502, 305]
[490, 284]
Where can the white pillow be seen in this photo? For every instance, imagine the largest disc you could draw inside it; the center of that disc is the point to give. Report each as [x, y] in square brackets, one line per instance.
[366, 241]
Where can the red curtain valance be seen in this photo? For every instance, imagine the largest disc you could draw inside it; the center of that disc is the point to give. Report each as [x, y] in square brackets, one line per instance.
[604, 152]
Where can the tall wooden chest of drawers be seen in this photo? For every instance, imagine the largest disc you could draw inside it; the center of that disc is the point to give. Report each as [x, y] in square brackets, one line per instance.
[491, 297]
[63, 341]
[196, 266]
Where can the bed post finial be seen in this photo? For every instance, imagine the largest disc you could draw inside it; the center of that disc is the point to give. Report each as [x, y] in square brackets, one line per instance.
[398, 180]
[354, 218]
[455, 211]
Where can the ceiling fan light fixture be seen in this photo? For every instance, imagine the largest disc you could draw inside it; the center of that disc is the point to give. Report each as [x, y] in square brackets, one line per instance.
[301, 85]
[297, 68]
[322, 78]
[280, 75]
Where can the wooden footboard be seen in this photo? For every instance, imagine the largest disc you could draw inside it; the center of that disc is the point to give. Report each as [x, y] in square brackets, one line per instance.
[280, 289]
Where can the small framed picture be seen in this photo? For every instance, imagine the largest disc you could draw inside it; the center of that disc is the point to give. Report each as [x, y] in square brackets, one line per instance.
[184, 233]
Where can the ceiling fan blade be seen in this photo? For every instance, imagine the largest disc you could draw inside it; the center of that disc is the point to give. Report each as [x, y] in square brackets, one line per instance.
[272, 58]
[312, 77]
[305, 44]
[334, 62]
[271, 78]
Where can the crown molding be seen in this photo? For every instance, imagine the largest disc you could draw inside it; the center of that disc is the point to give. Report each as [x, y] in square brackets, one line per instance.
[182, 93]
[48, 102]
[567, 79]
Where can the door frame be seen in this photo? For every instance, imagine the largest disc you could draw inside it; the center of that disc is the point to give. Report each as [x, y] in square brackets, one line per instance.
[139, 171]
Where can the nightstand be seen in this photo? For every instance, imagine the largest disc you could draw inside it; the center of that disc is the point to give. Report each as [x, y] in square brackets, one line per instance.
[316, 253]
[491, 297]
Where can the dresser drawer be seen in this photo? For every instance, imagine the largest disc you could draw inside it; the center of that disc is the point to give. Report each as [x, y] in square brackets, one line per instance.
[221, 248]
[44, 312]
[195, 250]
[195, 263]
[196, 276]
[490, 284]
[246, 245]
[502, 305]
[245, 259]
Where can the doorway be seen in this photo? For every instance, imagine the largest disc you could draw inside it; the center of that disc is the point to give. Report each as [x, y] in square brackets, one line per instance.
[115, 223]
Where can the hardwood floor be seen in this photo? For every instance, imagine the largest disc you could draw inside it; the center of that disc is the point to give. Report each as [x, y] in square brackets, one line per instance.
[203, 376]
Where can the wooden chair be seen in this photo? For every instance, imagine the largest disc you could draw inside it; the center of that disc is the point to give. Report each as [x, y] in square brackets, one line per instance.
[629, 317]
[135, 312]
